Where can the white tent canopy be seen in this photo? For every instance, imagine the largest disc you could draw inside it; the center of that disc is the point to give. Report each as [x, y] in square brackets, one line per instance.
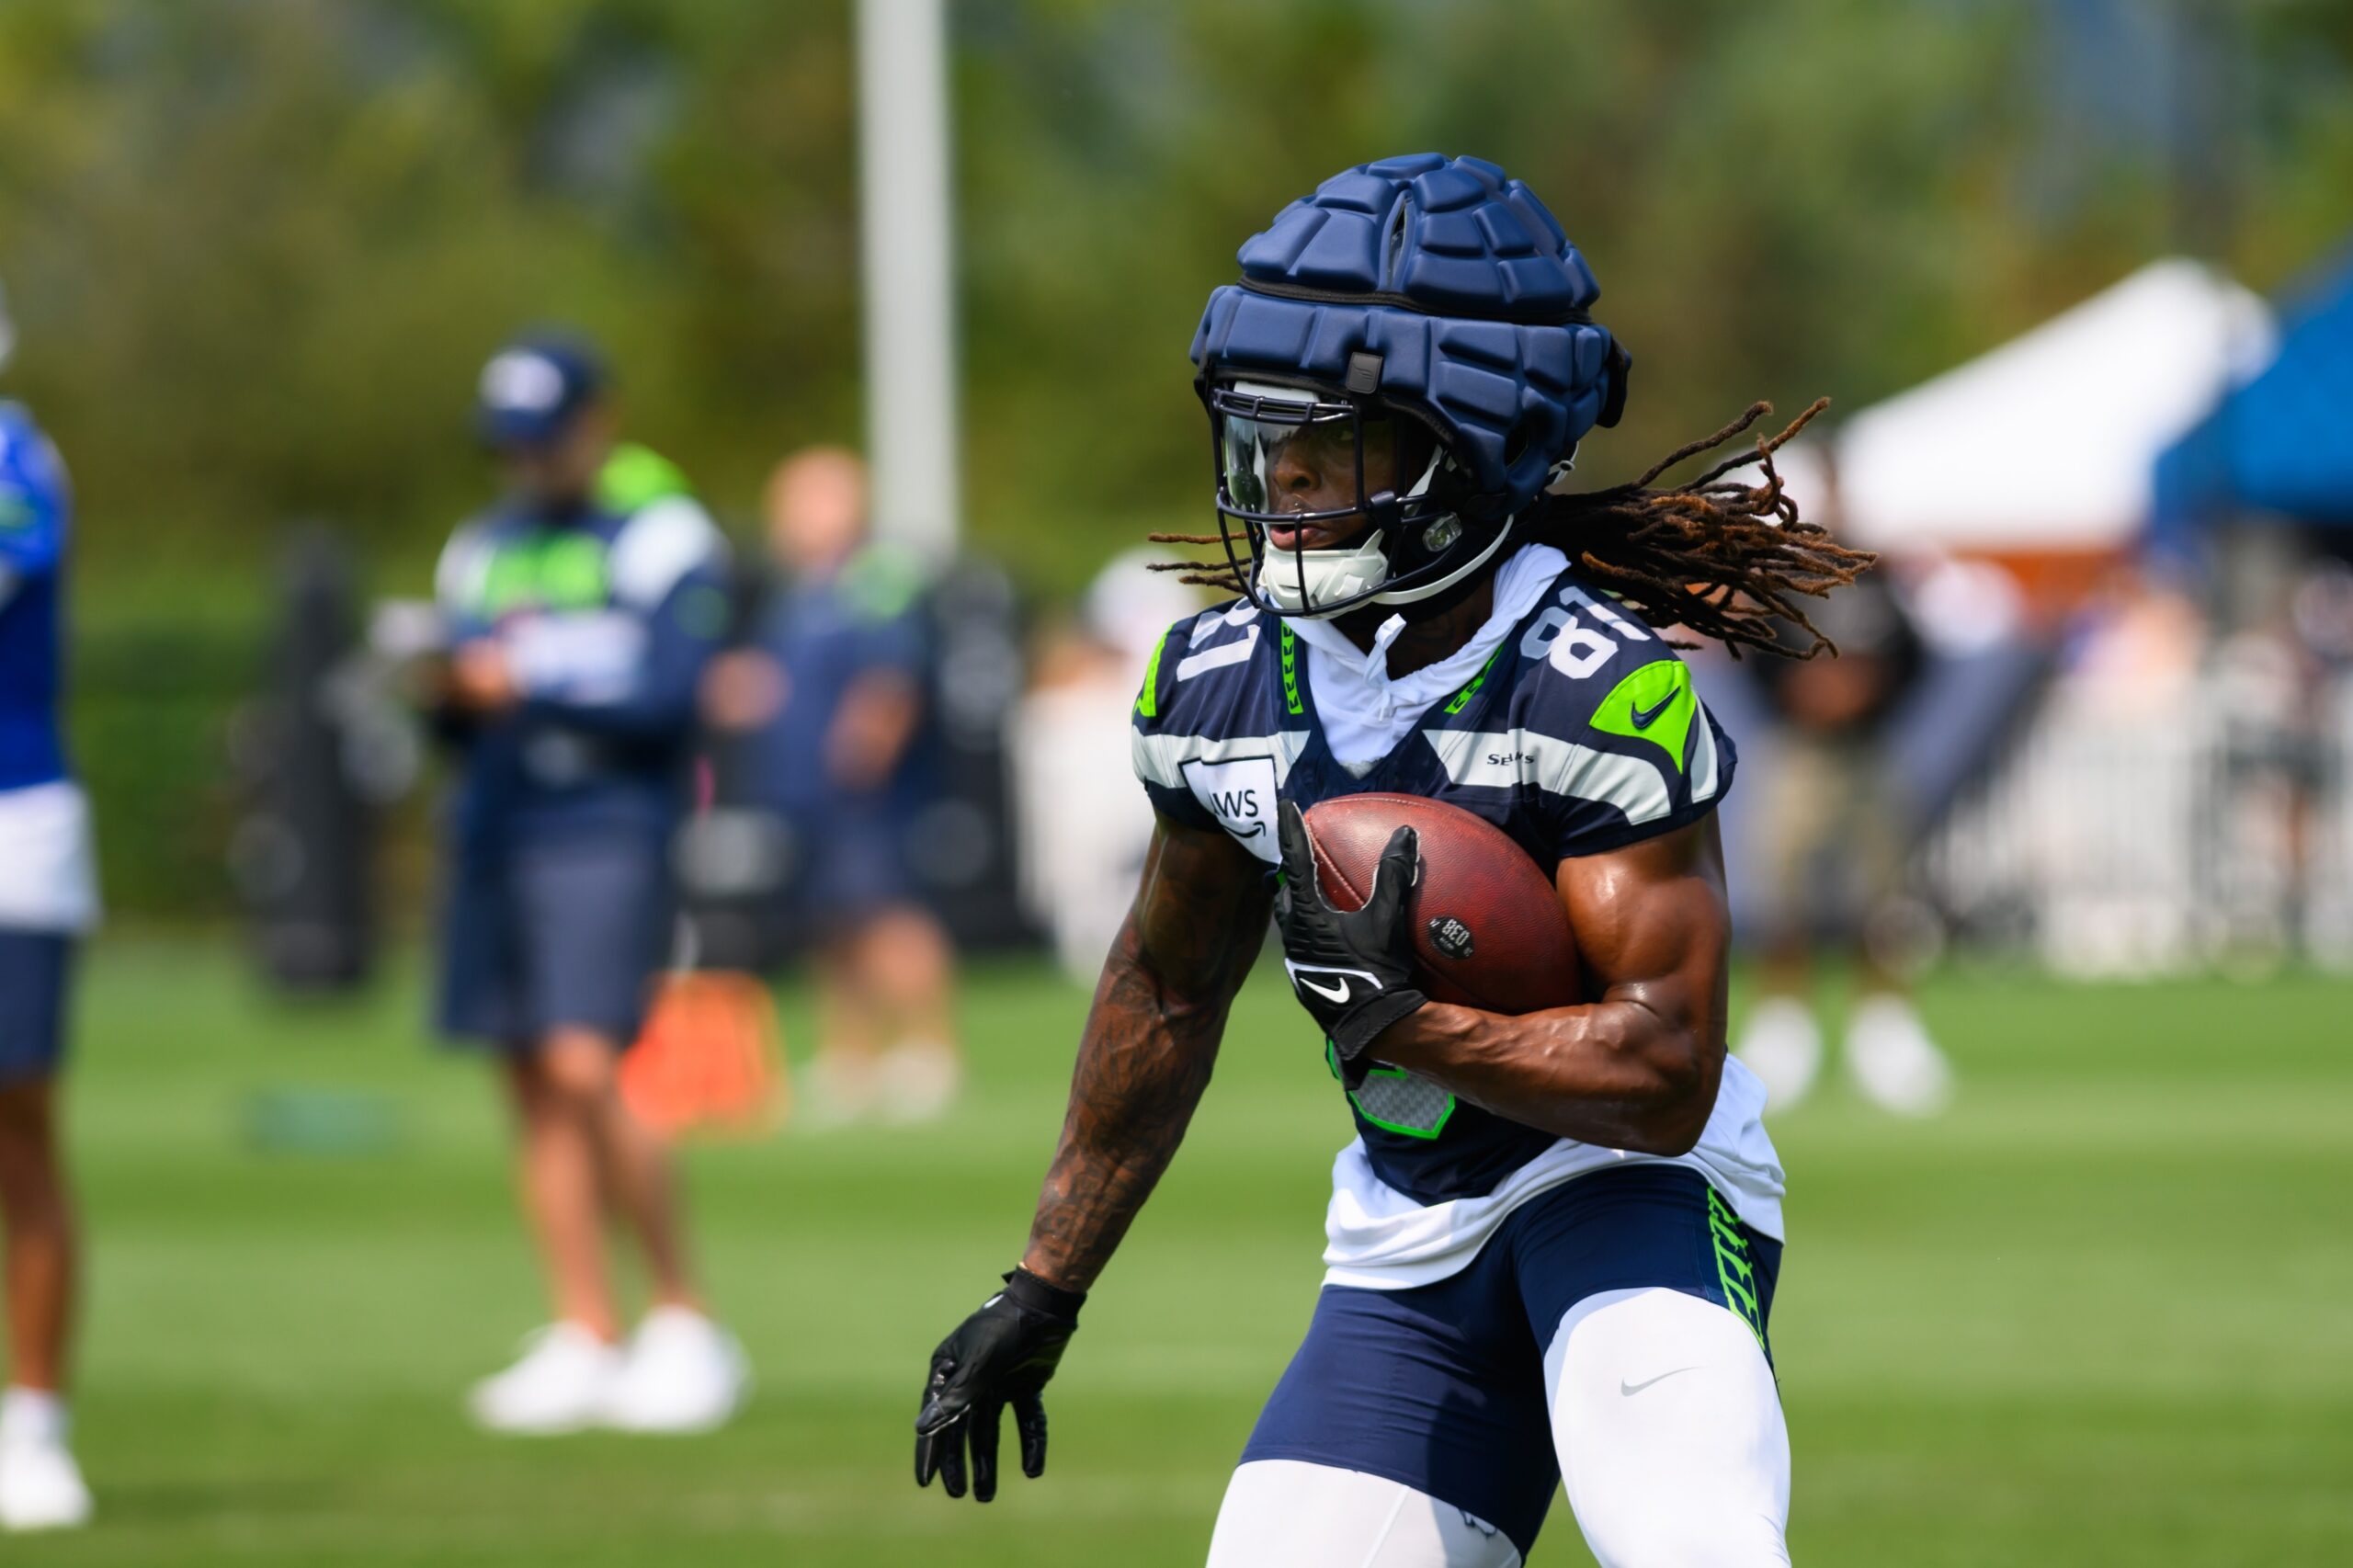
[2048, 442]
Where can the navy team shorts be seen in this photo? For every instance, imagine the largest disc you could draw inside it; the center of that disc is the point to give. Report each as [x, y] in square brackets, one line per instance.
[36, 970]
[1441, 1387]
[571, 932]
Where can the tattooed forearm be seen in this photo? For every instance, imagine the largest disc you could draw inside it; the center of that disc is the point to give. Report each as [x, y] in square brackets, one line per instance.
[1637, 1066]
[1198, 920]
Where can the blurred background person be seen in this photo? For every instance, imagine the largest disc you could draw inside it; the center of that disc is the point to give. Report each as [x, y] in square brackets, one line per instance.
[581, 610]
[1831, 844]
[1082, 850]
[832, 686]
[47, 898]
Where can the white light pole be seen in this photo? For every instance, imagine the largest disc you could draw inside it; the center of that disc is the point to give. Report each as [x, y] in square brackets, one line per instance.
[907, 266]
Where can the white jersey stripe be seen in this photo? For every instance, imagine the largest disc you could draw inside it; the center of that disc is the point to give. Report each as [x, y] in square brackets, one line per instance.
[1500, 759]
[1703, 759]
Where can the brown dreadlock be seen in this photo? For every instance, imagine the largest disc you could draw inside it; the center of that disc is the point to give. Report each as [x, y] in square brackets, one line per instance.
[1715, 556]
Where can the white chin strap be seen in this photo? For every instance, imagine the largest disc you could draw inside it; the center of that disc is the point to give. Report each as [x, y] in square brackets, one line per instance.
[1297, 582]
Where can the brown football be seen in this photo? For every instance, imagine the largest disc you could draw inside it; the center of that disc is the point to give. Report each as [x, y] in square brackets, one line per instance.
[1488, 928]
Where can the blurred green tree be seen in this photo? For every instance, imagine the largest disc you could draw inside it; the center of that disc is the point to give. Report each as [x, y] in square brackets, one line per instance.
[259, 246]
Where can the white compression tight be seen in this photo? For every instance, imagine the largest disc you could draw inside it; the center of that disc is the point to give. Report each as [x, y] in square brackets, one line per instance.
[1669, 1433]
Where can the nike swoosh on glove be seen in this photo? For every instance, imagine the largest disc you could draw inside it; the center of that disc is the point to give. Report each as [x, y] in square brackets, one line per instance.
[1352, 969]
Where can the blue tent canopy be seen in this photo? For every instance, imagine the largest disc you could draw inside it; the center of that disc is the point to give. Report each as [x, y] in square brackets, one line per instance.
[2282, 443]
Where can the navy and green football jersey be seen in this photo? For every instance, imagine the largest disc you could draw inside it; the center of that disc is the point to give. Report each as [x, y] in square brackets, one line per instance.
[608, 614]
[1582, 733]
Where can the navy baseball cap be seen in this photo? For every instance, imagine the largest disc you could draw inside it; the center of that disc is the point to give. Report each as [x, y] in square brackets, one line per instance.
[532, 389]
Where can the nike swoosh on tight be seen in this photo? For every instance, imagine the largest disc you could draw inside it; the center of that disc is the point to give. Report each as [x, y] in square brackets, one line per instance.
[1629, 1389]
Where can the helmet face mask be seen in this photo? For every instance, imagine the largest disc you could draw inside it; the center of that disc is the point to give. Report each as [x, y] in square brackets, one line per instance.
[1308, 482]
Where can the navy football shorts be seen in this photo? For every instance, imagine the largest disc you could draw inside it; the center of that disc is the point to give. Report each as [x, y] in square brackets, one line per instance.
[36, 969]
[1441, 1387]
[571, 933]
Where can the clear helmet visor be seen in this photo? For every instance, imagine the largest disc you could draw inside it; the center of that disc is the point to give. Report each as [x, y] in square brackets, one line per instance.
[1286, 457]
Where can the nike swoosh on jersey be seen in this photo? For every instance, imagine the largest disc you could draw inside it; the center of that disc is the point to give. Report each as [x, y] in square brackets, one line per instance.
[1645, 717]
[1630, 1390]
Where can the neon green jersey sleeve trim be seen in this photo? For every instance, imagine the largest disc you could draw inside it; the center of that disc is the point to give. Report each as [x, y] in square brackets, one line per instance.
[1148, 699]
[637, 476]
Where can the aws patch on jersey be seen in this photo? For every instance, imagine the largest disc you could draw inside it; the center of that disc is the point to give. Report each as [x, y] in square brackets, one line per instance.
[1582, 734]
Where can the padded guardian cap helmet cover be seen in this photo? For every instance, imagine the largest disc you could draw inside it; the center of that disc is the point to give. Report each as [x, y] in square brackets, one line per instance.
[1437, 291]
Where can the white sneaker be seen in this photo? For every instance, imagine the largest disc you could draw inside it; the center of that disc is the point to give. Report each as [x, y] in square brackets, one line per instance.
[560, 1385]
[685, 1374]
[920, 1080]
[1781, 1043]
[841, 1088]
[40, 1486]
[1894, 1063]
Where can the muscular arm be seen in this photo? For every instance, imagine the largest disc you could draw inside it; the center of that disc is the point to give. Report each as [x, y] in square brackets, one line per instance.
[1638, 1067]
[1198, 920]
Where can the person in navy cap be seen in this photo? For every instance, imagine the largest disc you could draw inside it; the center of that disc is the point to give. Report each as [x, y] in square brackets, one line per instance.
[580, 611]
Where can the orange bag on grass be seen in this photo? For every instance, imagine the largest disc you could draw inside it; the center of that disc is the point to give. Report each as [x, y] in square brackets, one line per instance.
[710, 1058]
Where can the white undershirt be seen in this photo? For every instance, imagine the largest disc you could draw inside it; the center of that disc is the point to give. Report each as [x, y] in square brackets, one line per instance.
[1364, 712]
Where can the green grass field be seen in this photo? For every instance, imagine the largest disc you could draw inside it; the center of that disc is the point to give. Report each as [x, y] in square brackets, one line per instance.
[2100, 1314]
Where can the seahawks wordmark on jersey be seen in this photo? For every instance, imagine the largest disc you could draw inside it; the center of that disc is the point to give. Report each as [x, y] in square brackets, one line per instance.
[1578, 731]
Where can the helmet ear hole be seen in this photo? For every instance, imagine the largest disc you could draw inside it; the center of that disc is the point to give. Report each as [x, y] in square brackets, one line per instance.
[1516, 445]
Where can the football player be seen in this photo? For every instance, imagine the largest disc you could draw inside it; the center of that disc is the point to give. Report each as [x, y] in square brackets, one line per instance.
[581, 612]
[1553, 1244]
[48, 899]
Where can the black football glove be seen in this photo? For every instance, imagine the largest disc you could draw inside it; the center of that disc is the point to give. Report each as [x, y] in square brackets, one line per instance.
[1352, 969]
[1002, 1355]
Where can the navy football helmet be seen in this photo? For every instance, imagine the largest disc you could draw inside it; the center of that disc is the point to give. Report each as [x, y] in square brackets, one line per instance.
[1419, 322]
